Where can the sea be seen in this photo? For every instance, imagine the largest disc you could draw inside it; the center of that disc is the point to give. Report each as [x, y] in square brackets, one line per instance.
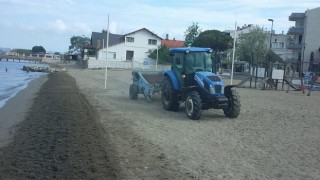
[13, 79]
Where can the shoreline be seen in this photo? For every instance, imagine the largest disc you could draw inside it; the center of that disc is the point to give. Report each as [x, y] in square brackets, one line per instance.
[15, 109]
[60, 137]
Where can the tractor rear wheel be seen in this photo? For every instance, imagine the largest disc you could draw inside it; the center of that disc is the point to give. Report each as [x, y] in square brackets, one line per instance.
[133, 91]
[193, 105]
[233, 109]
[169, 96]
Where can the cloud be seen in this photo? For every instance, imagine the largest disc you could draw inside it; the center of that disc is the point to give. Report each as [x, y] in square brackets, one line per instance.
[80, 27]
[27, 27]
[61, 26]
[62, 18]
[58, 25]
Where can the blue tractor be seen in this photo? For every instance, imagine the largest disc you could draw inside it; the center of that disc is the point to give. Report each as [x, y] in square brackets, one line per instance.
[192, 82]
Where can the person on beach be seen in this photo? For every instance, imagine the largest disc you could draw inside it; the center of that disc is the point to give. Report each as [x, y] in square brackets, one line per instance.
[6, 70]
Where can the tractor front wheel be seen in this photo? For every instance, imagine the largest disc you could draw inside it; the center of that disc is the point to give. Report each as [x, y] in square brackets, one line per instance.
[133, 91]
[193, 105]
[169, 96]
[233, 109]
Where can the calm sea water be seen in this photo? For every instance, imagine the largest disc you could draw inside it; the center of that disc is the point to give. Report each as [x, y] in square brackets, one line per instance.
[13, 79]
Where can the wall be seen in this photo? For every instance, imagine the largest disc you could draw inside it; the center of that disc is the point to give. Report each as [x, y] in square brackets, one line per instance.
[148, 64]
[283, 52]
[312, 35]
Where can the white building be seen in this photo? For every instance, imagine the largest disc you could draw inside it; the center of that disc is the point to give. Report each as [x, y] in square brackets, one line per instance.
[279, 45]
[305, 37]
[279, 42]
[131, 50]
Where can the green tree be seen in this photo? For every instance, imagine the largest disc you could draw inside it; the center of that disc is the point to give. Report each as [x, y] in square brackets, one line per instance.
[192, 33]
[217, 41]
[77, 43]
[273, 57]
[163, 54]
[38, 49]
[214, 39]
[251, 47]
[26, 52]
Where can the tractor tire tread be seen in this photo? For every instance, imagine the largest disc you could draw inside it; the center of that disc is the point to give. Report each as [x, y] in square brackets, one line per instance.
[133, 92]
[233, 109]
[197, 105]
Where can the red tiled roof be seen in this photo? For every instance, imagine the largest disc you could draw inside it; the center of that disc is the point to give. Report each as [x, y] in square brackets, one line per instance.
[172, 43]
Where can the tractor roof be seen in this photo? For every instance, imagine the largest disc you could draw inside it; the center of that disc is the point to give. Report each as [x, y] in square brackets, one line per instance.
[189, 49]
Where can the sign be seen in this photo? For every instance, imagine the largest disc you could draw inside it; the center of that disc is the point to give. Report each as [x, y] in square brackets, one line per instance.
[277, 74]
[260, 72]
[145, 62]
[288, 71]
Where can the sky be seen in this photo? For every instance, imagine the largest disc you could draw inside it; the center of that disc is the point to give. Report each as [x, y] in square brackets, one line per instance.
[51, 23]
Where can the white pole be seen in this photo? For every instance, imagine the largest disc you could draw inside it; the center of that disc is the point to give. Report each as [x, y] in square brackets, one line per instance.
[157, 58]
[234, 50]
[106, 76]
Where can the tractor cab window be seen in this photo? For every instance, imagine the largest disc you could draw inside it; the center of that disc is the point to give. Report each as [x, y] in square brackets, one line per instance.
[199, 61]
[189, 62]
[208, 62]
[178, 61]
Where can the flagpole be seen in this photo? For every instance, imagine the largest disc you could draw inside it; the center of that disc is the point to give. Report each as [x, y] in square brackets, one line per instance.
[106, 75]
[234, 50]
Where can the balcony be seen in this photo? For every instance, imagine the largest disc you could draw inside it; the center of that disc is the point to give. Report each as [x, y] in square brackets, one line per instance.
[316, 60]
[296, 30]
[291, 60]
[294, 46]
[297, 16]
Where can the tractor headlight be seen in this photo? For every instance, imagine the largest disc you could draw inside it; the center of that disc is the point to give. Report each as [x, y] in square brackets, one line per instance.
[212, 90]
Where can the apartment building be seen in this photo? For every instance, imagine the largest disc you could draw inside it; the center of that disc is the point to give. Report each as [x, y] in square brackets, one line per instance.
[305, 37]
[279, 42]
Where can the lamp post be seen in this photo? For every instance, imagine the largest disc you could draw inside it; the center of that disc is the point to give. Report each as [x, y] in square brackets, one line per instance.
[270, 45]
[157, 57]
[271, 31]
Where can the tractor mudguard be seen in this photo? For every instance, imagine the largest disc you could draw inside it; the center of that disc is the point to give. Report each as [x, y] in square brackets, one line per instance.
[174, 79]
[229, 87]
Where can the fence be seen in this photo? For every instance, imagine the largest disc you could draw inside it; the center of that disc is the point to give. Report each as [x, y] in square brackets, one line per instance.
[93, 63]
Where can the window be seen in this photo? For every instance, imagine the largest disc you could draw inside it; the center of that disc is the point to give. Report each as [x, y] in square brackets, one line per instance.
[129, 55]
[130, 39]
[278, 45]
[112, 55]
[98, 44]
[152, 41]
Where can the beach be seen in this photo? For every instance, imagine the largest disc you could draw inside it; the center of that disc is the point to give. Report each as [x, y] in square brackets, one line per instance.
[16, 108]
[73, 128]
[58, 138]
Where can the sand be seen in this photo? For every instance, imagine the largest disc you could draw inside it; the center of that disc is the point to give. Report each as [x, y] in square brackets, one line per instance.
[59, 138]
[276, 135]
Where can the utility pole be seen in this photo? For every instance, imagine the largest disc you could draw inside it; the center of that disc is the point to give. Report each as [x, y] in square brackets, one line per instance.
[106, 73]
[234, 50]
[270, 45]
